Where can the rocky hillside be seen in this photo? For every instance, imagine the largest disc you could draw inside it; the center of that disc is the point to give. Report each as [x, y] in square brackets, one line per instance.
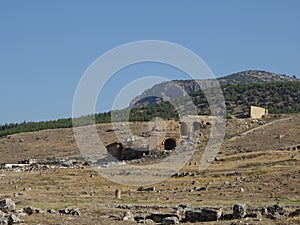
[179, 88]
[255, 76]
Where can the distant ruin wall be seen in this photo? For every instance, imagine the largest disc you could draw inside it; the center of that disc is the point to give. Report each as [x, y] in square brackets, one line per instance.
[167, 137]
[162, 131]
[257, 112]
[161, 141]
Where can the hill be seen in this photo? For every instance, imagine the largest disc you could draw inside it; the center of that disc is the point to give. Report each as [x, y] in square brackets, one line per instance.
[178, 88]
[278, 97]
[255, 76]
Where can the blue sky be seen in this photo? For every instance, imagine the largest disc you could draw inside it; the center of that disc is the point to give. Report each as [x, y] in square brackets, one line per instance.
[45, 46]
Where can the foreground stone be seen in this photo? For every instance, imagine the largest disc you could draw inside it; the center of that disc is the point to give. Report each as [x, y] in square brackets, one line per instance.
[199, 214]
[14, 219]
[29, 210]
[159, 217]
[295, 213]
[146, 221]
[7, 205]
[128, 216]
[69, 211]
[256, 215]
[239, 211]
[52, 211]
[3, 221]
[2, 214]
[149, 189]
[170, 220]
[203, 215]
[275, 209]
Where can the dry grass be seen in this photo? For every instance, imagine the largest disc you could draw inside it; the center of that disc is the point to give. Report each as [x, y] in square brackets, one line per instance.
[266, 176]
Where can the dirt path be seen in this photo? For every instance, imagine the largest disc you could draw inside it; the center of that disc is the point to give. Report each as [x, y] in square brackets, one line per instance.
[258, 128]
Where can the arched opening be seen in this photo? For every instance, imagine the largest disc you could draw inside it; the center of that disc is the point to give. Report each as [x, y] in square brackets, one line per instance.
[184, 129]
[196, 126]
[170, 144]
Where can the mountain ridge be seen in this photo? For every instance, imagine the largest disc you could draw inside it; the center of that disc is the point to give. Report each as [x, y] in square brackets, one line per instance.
[179, 88]
[255, 76]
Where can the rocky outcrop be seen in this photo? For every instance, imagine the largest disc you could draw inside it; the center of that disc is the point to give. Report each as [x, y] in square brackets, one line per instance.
[255, 76]
[179, 88]
[203, 215]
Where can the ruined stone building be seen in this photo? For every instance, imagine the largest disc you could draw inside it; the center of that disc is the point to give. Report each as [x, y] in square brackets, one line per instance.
[163, 135]
[257, 112]
[116, 151]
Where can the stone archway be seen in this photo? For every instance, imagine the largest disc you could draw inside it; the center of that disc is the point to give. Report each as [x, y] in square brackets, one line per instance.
[169, 144]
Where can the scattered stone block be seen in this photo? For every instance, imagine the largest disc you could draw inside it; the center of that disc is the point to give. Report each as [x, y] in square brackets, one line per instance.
[158, 217]
[7, 205]
[276, 216]
[239, 211]
[170, 220]
[3, 221]
[263, 211]
[295, 213]
[52, 211]
[69, 211]
[148, 221]
[2, 214]
[275, 209]
[256, 215]
[29, 210]
[139, 218]
[193, 216]
[128, 216]
[228, 216]
[146, 189]
[203, 215]
[211, 214]
[14, 219]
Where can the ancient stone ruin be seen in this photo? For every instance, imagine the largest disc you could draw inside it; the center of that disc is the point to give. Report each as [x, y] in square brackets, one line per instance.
[163, 135]
[257, 112]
